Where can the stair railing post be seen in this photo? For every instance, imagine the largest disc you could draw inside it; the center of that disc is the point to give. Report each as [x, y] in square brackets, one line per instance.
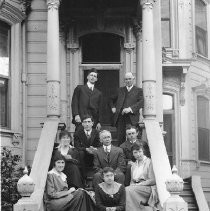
[175, 186]
[25, 188]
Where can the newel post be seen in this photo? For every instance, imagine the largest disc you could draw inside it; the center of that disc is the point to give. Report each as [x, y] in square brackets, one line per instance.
[25, 188]
[175, 185]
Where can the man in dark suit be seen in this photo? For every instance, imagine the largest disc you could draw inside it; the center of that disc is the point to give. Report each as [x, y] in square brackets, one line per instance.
[108, 155]
[126, 105]
[131, 138]
[87, 100]
[86, 141]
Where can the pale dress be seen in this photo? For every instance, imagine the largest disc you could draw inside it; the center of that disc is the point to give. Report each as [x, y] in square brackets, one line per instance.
[137, 194]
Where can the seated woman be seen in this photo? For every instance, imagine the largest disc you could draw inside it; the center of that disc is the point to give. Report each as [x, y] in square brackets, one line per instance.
[71, 156]
[57, 195]
[142, 189]
[109, 195]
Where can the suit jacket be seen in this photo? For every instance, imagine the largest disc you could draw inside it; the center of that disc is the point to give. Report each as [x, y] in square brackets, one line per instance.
[126, 147]
[115, 160]
[136, 101]
[86, 101]
[81, 142]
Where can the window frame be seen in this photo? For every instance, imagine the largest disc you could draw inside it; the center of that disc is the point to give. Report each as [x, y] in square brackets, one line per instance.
[8, 78]
[203, 92]
[173, 50]
[207, 3]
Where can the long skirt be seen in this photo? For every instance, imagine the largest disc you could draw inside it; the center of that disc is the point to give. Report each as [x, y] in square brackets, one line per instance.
[78, 201]
[137, 196]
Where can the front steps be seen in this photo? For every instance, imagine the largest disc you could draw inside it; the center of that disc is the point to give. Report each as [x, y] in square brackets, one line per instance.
[188, 195]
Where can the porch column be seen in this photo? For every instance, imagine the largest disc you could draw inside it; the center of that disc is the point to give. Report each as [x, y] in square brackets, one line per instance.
[53, 75]
[63, 86]
[129, 49]
[139, 68]
[149, 70]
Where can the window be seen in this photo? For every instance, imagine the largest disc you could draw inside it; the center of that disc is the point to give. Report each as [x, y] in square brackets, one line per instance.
[101, 48]
[167, 102]
[201, 28]
[4, 72]
[203, 119]
[165, 23]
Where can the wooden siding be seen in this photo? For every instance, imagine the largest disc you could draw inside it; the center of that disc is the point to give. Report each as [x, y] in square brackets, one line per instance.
[198, 73]
[36, 49]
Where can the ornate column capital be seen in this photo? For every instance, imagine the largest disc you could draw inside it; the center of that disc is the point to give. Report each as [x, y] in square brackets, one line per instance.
[147, 3]
[129, 47]
[53, 4]
[137, 29]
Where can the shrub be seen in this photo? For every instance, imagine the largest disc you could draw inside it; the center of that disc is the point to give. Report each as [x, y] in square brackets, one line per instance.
[10, 174]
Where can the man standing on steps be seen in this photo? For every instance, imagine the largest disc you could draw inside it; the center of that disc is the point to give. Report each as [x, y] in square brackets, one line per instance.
[87, 100]
[126, 105]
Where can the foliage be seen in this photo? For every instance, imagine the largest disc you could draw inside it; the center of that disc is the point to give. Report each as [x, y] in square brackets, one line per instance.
[10, 174]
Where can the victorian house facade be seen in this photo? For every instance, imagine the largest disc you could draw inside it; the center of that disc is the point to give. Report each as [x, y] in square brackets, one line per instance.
[47, 46]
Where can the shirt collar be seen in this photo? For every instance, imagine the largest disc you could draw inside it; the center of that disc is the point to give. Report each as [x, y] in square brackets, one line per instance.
[90, 85]
[129, 88]
[61, 175]
[88, 132]
[107, 148]
[133, 142]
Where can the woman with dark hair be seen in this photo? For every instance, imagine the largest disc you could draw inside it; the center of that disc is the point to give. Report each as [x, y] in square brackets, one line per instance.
[142, 190]
[109, 195]
[58, 197]
[71, 155]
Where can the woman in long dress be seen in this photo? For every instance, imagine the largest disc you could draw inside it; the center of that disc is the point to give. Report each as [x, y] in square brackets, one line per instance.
[58, 197]
[71, 155]
[142, 189]
[109, 195]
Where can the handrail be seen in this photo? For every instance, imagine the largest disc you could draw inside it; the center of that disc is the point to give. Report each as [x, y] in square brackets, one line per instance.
[160, 161]
[198, 192]
[42, 160]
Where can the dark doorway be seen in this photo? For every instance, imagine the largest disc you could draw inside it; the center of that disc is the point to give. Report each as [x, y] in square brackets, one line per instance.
[169, 127]
[108, 83]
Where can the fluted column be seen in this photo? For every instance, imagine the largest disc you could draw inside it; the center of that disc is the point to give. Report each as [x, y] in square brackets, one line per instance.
[139, 68]
[149, 70]
[53, 75]
[63, 86]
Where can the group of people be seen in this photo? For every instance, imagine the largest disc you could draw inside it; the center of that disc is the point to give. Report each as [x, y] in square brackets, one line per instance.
[123, 175]
[125, 104]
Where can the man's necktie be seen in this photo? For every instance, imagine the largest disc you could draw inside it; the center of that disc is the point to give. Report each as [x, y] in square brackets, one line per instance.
[107, 153]
[88, 135]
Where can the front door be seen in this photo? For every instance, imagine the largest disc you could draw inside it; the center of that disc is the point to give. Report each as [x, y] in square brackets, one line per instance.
[169, 127]
[108, 83]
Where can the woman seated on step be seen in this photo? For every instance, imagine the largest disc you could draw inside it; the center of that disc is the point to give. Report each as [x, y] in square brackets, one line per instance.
[58, 197]
[109, 195]
[142, 189]
[71, 156]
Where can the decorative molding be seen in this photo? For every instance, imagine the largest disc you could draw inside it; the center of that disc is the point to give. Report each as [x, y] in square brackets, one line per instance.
[14, 11]
[147, 4]
[149, 88]
[137, 29]
[129, 47]
[74, 47]
[53, 103]
[115, 26]
[53, 4]
[16, 140]
[203, 88]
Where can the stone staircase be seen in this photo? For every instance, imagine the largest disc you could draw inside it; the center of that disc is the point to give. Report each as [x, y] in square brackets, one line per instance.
[188, 195]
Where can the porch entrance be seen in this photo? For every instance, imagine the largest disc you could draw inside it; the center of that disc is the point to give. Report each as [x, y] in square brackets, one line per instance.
[108, 83]
[103, 51]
